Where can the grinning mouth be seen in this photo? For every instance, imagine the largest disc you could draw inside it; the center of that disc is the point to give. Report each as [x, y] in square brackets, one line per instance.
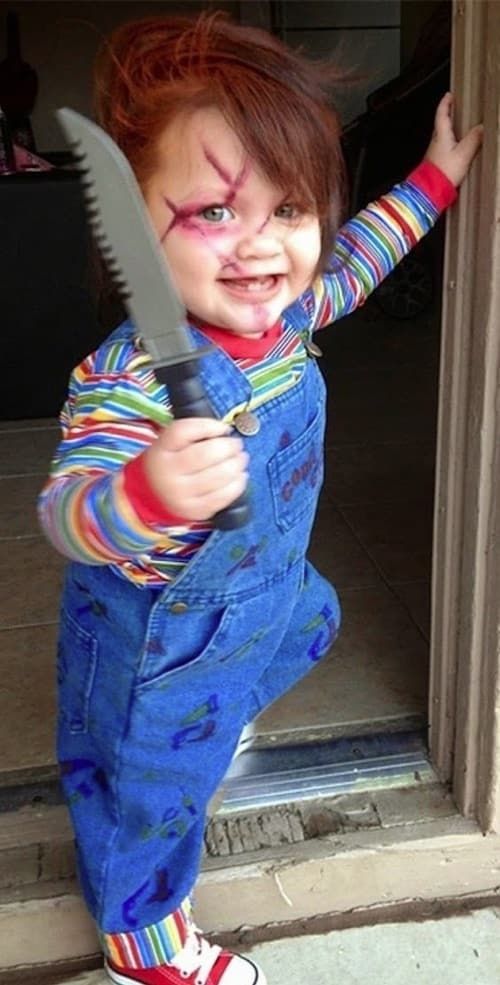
[257, 284]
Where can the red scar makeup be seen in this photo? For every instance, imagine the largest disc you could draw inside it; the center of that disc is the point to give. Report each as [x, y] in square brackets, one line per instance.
[236, 253]
[184, 214]
[187, 217]
[233, 184]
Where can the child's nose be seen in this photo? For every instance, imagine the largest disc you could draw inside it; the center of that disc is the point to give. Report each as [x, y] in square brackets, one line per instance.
[260, 245]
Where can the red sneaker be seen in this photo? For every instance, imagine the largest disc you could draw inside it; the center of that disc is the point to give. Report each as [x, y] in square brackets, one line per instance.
[199, 963]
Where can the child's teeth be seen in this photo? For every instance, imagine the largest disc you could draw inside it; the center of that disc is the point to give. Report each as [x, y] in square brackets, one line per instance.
[255, 284]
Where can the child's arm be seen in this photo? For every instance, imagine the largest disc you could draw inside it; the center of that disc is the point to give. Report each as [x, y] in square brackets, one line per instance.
[125, 474]
[370, 245]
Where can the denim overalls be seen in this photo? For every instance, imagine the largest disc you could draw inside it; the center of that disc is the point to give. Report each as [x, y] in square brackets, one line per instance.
[156, 684]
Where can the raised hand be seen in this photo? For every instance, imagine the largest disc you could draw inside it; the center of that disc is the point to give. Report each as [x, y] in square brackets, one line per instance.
[454, 157]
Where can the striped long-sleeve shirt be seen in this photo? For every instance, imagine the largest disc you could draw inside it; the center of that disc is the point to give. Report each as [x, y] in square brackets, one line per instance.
[96, 506]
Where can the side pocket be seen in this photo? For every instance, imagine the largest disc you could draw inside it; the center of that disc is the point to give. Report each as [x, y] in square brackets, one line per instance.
[175, 643]
[76, 667]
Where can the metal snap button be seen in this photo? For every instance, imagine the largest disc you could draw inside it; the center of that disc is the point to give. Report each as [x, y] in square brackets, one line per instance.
[312, 349]
[246, 423]
[178, 607]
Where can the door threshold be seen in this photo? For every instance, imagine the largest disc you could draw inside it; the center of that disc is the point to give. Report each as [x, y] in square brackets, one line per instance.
[276, 770]
[264, 777]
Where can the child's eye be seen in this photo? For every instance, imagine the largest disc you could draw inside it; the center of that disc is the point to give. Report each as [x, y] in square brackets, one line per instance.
[216, 213]
[287, 211]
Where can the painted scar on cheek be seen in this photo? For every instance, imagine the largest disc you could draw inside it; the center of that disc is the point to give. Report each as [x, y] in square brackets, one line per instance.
[185, 215]
[260, 317]
[186, 219]
[233, 264]
[234, 185]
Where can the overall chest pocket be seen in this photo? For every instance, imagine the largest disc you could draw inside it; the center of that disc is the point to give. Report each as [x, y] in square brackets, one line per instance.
[296, 474]
[76, 667]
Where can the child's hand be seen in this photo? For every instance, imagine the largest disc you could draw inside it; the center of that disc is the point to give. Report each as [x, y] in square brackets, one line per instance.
[453, 157]
[197, 467]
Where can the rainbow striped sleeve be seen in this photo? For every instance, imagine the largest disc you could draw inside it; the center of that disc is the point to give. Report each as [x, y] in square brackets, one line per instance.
[110, 416]
[370, 245]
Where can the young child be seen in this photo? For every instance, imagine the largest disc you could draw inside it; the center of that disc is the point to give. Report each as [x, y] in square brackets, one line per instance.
[174, 635]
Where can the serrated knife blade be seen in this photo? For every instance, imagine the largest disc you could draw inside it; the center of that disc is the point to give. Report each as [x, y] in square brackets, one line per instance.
[128, 242]
[129, 245]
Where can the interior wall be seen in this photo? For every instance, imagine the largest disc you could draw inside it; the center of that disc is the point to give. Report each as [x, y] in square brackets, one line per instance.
[59, 39]
[361, 37]
[414, 15]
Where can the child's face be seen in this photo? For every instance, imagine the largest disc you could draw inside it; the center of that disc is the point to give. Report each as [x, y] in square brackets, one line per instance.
[239, 251]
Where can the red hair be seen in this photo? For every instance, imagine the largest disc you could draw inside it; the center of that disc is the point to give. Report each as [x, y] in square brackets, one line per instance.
[275, 100]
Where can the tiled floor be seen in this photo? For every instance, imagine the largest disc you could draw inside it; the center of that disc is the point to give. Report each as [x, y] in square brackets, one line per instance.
[372, 538]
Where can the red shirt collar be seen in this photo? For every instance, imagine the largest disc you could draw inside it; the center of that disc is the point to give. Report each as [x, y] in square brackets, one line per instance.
[239, 346]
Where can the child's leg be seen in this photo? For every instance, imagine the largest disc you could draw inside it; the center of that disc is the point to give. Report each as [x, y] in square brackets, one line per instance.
[141, 754]
[313, 628]
[144, 743]
[151, 709]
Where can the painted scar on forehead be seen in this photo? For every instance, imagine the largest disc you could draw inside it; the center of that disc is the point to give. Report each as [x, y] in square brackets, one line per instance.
[184, 215]
[234, 184]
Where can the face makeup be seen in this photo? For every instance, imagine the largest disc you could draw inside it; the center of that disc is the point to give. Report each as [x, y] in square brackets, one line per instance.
[239, 252]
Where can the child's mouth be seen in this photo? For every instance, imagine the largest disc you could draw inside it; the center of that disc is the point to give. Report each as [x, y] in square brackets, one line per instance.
[258, 286]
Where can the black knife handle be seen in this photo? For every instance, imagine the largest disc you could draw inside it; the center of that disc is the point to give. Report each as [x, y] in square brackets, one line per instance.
[188, 400]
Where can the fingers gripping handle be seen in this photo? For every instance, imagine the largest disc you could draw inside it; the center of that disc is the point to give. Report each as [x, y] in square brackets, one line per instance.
[188, 400]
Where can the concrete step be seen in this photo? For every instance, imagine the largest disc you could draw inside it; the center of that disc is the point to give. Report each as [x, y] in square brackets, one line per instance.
[271, 797]
[268, 871]
[36, 846]
[401, 953]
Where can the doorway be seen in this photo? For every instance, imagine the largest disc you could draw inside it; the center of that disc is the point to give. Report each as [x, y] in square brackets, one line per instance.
[373, 538]
[373, 534]
[465, 640]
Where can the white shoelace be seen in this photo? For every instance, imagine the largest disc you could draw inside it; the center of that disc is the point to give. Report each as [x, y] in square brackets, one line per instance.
[196, 955]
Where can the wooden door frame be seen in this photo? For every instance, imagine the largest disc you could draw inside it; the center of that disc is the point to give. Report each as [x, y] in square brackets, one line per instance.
[465, 644]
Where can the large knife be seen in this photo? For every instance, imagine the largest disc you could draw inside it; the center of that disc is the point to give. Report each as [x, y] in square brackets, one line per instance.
[130, 248]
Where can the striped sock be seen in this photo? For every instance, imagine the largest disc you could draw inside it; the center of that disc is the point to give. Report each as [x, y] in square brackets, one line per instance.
[154, 945]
